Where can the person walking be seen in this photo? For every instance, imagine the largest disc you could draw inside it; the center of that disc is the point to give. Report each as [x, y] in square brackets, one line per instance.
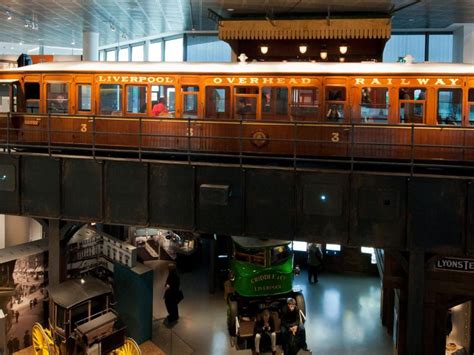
[315, 262]
[172, 294]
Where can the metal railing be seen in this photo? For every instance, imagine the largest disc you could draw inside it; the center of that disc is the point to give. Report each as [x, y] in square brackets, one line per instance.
[286, 144]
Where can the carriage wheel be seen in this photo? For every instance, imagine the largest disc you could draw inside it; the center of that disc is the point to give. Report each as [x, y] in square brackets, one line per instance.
[42, 341]
[130, 347]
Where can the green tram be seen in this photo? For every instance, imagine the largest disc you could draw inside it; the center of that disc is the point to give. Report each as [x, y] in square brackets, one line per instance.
[261, 277]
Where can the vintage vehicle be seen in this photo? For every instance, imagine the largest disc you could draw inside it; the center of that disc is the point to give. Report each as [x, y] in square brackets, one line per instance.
[335, 111]
[261, 277]
[81, 321]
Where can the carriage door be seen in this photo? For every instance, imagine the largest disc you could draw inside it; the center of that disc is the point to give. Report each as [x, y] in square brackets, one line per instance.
[82, 106]
[7, 105]
[335, 113]
[189, 112]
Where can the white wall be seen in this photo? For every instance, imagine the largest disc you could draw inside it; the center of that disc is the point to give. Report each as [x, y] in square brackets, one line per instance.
[18, 230]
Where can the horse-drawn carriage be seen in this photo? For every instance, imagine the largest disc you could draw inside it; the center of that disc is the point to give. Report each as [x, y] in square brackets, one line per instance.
[81, 321]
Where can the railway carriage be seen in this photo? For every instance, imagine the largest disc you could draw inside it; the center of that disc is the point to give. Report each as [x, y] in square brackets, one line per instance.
[337, 110]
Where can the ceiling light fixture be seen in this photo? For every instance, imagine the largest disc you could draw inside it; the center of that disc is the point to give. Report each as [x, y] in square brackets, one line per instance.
[342, 59]
[264, 49]
[343, 48]
[112, 27]
[303, 48]
[9, 15]
[230, 9]
[324, 53]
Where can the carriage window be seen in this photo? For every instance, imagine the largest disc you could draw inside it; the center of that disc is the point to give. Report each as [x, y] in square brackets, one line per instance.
[84, 97]
[335, 93]
[245, 108]
[412, 105]
[217, 102]
[470, 98]
[136, 99]
[163, 100]
[275, 103]
[449, 106]
[246, 90]
[335, 97]
[190, 101]
[305, 103]
[279, 254]
[4, 97]
[374, 105]
[60, 316]
[57, 98]
[254, 256]
[32, 95]
[79, 313]
[110, 99]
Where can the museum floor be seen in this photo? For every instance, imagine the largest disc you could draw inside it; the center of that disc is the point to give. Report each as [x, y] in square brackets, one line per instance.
[343, 316]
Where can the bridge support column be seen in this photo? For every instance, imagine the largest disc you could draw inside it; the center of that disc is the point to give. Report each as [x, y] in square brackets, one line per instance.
[54, 254]
[415, 306]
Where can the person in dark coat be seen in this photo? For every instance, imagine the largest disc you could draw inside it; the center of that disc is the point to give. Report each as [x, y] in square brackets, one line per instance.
[26, 339]
[265, 332]
[292, 329]
[172, 294]
[315, 262]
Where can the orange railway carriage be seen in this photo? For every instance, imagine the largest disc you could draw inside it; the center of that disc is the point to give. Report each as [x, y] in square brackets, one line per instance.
[366, 110]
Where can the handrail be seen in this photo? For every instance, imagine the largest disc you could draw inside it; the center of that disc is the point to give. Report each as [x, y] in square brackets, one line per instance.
[358, 148]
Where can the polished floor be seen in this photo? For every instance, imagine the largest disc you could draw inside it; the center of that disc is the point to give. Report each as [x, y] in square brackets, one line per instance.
[343, 316]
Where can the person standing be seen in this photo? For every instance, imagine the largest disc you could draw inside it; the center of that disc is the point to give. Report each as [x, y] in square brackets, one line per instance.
[315, 262]
[17, 314]
[172, 294]
[26, 339]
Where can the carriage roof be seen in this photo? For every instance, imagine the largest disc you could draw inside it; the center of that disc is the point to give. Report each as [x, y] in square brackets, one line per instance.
[248, 68]
[73, 292]
[256, 243]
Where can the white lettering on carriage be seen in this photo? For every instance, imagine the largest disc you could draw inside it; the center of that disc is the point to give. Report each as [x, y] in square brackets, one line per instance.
[375, 81]
[268, 80]
[230, 80]
[293, 81]
[253, 80]
[389, 81]
[440, 82]
[453, 81]
[360, 81]
[423, 81]
[404, 82]
[305, 80]
[125, 79]
[217, 81]
[133, 79]
[242, 80]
